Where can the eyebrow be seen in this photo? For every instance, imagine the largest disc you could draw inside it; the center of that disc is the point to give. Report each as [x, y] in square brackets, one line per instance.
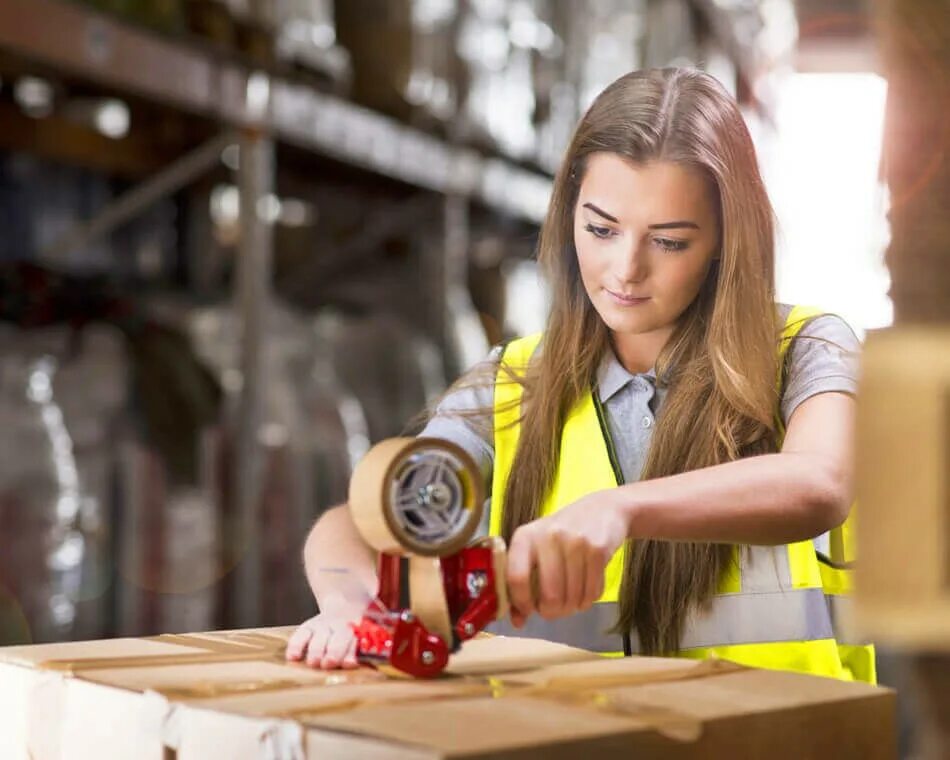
[662, 226]
[603, 213]
[674, 225]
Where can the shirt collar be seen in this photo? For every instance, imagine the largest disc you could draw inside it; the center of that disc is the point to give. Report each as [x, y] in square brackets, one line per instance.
[612, 376]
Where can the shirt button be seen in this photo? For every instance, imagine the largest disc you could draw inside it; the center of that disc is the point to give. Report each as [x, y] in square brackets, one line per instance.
[646, 422]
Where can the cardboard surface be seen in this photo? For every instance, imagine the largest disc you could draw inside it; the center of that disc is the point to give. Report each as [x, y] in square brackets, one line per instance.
[903, 483]
[232, 695]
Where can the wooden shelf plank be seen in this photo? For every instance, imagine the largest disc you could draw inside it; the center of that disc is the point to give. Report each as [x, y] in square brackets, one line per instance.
[83, 43]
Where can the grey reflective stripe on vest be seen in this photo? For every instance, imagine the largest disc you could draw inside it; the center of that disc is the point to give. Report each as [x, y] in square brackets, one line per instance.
[761, 618]
[747, 618]
[841, 609]
[586, 629]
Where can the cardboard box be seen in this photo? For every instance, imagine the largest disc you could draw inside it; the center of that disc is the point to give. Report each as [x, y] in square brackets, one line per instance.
[903, 482]
[231, 695]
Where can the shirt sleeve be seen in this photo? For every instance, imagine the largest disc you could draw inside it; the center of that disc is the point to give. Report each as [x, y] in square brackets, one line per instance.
[465, 417]
[823, 358]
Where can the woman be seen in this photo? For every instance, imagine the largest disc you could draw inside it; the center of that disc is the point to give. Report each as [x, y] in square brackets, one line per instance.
[682, 444]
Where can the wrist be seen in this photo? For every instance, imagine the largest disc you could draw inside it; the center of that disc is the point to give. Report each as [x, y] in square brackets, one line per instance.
[628, 507]
[337, 604]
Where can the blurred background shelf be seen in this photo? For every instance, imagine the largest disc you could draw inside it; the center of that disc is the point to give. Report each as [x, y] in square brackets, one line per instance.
[282, 228]
[196, 79]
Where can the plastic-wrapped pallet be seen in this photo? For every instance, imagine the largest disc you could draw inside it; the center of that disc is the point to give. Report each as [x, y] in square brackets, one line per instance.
[306, 34]
[304, 442]
[168, 554]
[61, 398]
[392, 370]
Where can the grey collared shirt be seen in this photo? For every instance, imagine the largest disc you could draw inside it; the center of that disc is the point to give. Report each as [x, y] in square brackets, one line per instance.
[824, 359]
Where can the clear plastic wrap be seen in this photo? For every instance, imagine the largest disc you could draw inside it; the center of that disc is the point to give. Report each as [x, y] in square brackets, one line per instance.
[305, 449]
[61, 400]
[392, 370]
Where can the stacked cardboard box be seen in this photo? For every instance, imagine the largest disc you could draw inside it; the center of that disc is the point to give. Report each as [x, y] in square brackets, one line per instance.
[903, 578]
[232, 695]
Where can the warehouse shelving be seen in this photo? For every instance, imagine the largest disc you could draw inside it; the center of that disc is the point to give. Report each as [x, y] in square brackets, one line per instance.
[255, 107]
[259, 107]
[81, 42]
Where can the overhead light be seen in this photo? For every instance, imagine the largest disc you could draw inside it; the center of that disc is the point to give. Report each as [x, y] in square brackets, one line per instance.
[289, 212]
[112, 118]
[225, 204]
[296, 213]
[258, 95]
[35, 96]
[268, 208]
[231, 157]
[322, 35]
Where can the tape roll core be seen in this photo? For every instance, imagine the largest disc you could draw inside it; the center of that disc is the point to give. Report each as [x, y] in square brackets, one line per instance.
[421, 496]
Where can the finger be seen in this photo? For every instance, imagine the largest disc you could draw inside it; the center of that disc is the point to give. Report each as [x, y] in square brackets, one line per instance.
[517, 619]
[338, 643]
[298, 642]
[551, 577]
[593, 581]
[317, 645]
[521, 558]
[349, 658]
[575, 578]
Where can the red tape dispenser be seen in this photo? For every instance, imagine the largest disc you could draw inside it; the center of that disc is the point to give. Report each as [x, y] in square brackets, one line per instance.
[419, 502]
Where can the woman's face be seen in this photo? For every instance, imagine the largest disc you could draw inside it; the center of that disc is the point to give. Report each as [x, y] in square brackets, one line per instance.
[645, 237]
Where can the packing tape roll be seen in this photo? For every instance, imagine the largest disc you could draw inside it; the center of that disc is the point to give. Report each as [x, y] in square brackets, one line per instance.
[421, 496]
[427, 596]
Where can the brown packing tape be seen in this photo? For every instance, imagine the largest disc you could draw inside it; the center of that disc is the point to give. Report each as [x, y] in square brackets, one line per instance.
[370, 497]
[228, 647]
[219, 649]
[591, 692]
[200, 642]
[427, 596]
[215, 690]
[233, 648]
[225, 643]
[156, 661]
[594, 690]
[702, 669]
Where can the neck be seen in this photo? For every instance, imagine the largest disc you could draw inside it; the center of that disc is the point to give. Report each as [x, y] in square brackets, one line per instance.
[638, 353]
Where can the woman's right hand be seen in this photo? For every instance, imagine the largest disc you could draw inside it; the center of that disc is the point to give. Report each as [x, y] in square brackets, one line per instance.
[326, 640]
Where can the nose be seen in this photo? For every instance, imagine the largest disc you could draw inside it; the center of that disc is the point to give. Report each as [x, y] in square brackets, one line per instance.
[634, 265]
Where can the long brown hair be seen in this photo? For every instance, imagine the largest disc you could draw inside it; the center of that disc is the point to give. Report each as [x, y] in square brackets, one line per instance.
[719, 365]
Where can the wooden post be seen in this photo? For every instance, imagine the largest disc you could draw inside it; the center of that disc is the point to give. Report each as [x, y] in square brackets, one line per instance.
[914, 39]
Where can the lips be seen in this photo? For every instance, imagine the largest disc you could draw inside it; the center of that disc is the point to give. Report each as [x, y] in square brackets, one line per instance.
[628, 299]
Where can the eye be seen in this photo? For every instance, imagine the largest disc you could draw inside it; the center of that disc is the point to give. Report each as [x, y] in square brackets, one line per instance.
[668, 244]
[599, 232]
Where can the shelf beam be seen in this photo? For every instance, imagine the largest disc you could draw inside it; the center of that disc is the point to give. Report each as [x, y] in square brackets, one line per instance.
[82, 43]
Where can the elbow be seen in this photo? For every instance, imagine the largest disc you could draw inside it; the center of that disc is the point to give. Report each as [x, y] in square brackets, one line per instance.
[830, 496]
[319, 527]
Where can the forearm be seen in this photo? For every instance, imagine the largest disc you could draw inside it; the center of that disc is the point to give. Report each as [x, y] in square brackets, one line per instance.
[770, 499]
[339, 564]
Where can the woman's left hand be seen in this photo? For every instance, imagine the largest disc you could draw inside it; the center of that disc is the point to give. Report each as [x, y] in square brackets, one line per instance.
[556, 563]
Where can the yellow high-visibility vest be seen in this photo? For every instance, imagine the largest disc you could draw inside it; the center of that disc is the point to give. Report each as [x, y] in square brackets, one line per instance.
[776, 606]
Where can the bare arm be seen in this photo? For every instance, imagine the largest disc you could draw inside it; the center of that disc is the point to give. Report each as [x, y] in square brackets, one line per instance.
[341, 571]
[773, 499]
[336, 558]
